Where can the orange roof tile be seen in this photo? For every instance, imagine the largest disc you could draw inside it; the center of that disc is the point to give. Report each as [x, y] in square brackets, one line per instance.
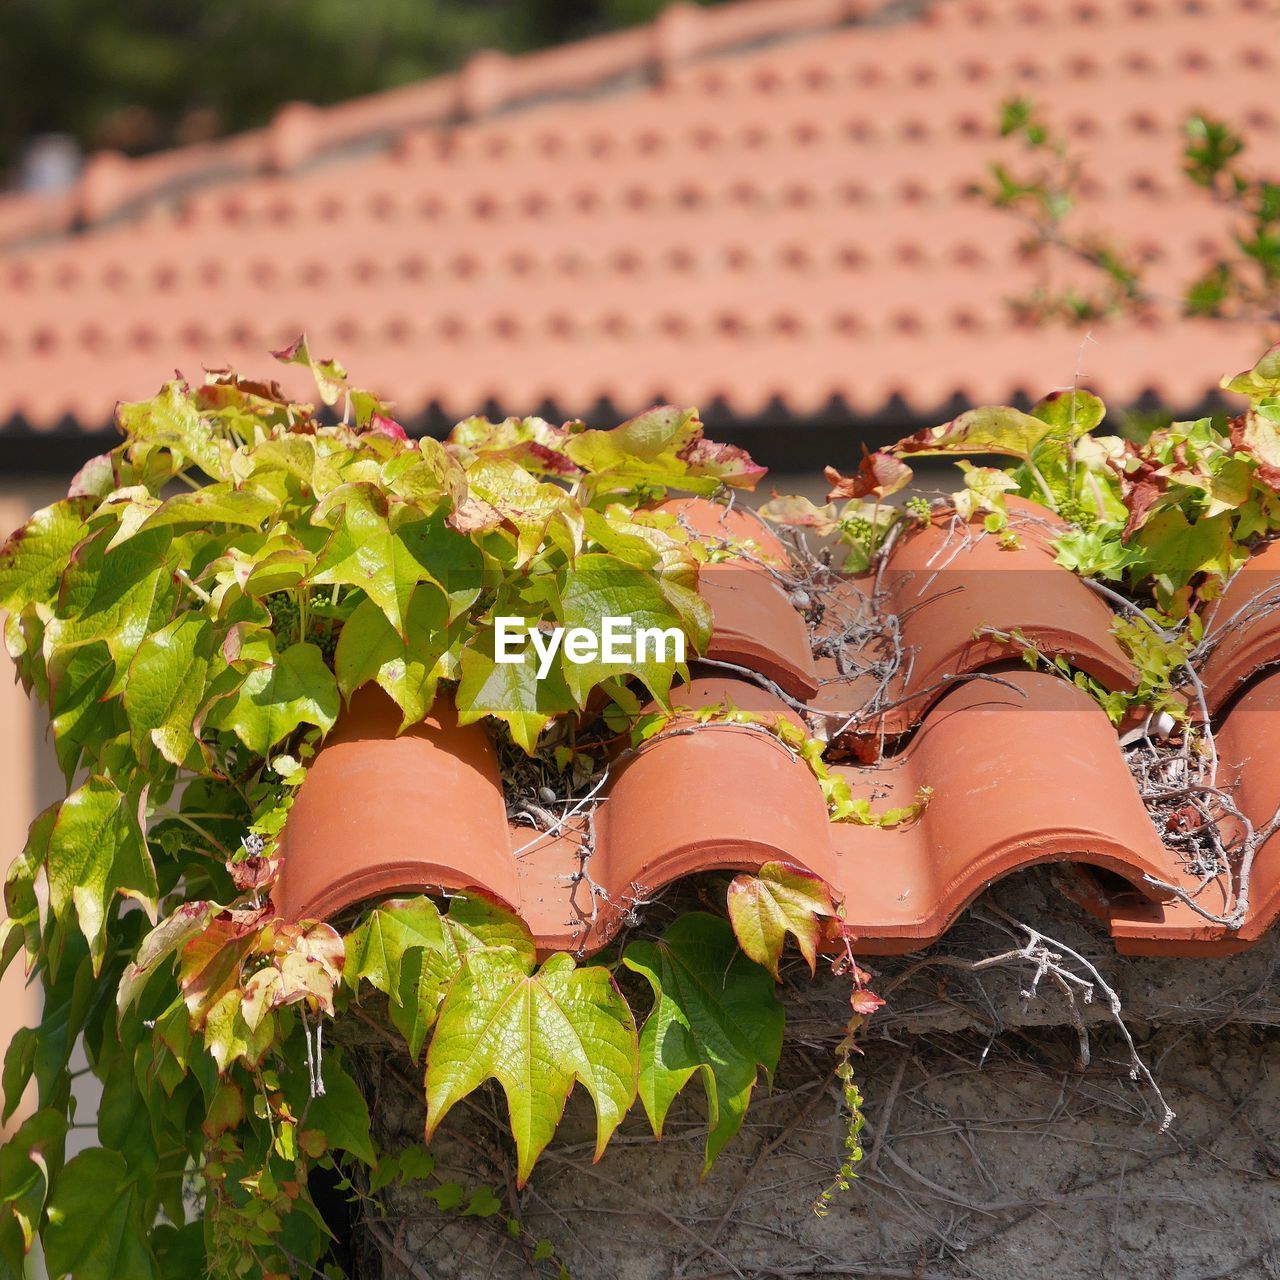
[1025, 768]
[763, 203]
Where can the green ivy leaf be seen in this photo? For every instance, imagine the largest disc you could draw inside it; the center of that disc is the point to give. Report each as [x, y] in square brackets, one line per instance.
[214, 504]
[170, 421]
[341, 1114]
[166, 686]
[1260, 382]
[230, 1039]
[365, 551]
[82, 716]
[407, 950]
[95, 1228]
[1096, 552]
[510, 692]
[1071, 414]
[475, 922]
[286, 690]
[527, 504]
[457, 564]
[97, 850]
[416, 998]
[535, 1033]
[1177, 549]
[26, 1162]
[13, 1256]
[640, 445]
[33, 558]
[19, 1064]
[124, 1124]
[537, 445]
[180, 1252]
[483, 1204]
[715, 1011]
[376, 949]
[989, 429]
[776, 901]
[600, 586]
[663, 448]
[370, 649]
[114, 596]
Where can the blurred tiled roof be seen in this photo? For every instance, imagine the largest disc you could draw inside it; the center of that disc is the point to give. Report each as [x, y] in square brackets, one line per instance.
[763, 203]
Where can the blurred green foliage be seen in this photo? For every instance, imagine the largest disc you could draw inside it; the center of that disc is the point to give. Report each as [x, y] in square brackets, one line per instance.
[141, 74]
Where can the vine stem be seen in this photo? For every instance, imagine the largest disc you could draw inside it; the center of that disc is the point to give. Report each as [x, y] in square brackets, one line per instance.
[1197, 685]
[195, 826]
[1049, 499]
[185, 578]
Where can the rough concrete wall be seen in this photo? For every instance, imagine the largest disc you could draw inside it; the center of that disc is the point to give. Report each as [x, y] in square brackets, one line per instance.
[992, 1152]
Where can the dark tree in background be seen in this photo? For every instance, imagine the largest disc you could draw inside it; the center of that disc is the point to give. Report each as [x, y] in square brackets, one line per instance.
[142, 74]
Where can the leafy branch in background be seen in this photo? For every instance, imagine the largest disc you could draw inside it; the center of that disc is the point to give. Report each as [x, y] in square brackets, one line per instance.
[1243, 281]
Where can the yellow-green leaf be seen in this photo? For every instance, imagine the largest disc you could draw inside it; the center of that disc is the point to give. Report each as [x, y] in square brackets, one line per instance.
[96, 851]
[96, 1229]
[370, 649]
[284, 691]
[780, 899]
[536, 1033]
[716, 1012]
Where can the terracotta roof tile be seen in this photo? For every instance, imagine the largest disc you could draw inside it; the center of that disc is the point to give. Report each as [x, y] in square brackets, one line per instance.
[759, 203]
[1025, 768]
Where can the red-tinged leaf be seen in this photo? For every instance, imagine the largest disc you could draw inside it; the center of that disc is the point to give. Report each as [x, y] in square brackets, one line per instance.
[304, 964]
[164, 941]
[224, 387]
[211, 964]
[663, 448]
[226, 1110]
[95, 479]
[330, 376]
[254, 872]
[1259, 437]
[879, 475]
[532, 443]
[473, 515]
[1140, 498]
[379, 425]
[989, 429]
[865, 1002]
[1142, 484]
[726, 462]
[781, 899]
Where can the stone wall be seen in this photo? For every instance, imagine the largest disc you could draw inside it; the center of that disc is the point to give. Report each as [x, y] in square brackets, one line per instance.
[993, 1152]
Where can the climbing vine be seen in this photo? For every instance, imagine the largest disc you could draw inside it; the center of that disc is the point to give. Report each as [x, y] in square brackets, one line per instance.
[195, 613]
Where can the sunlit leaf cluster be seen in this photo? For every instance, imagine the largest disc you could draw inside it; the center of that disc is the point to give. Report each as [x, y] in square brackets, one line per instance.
[1163, 519]
[194, 614]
